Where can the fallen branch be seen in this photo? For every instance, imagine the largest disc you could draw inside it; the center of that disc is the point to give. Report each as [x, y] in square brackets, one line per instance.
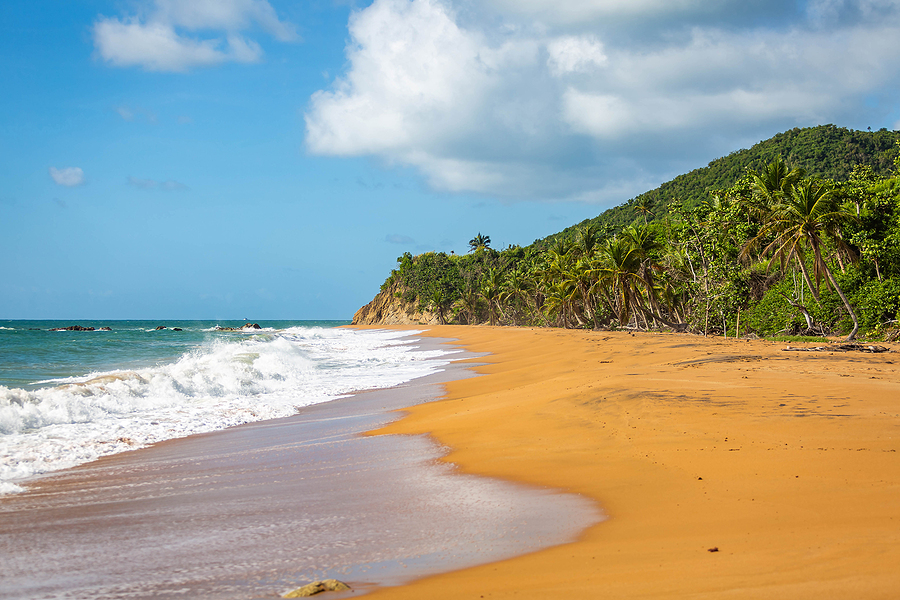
[841, 348]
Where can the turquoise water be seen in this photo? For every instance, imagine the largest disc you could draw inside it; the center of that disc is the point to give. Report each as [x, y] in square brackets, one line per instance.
[31, 355]
[69, 397]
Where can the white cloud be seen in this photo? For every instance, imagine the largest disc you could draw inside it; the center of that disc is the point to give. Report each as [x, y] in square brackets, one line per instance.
[830, 12]
[569, 54]
[126, 113]
[413, 71]
[418, 86]
[68, 176]
[162, 42]
[504, 103]
[227, 15]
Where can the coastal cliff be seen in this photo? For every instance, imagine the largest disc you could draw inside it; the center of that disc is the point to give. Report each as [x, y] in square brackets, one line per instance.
[390, 308]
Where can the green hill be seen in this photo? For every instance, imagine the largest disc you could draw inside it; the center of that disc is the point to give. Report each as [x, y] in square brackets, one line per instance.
[825, 151]
[780, 253]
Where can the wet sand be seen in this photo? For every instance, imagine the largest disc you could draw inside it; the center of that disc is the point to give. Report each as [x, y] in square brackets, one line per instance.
[257, 510]
[727, 468]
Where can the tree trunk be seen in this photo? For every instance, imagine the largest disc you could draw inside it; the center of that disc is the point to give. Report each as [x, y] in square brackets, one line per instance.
[664, 321]
[843, 296]
[814, 290]
[846, 302]
[803, 311]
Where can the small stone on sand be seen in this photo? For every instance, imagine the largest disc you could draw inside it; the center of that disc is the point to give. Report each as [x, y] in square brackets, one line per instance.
[316, 587]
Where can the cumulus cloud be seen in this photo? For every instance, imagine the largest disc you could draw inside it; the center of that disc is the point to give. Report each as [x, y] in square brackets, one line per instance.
[569, 54]
[167, 39]
[68, 176]
[504, 98]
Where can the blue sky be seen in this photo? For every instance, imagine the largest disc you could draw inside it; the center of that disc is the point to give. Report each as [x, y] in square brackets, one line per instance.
[249, 158]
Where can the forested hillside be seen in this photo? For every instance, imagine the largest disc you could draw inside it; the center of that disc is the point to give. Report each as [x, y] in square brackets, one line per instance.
[798, 235]
[826, 151]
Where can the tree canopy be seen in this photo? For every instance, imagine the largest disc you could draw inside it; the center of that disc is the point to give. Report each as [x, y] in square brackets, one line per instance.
[786, 238]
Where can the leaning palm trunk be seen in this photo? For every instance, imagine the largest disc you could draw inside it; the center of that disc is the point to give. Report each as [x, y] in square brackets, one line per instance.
[840, 293]
[663, 320]
[814, 290]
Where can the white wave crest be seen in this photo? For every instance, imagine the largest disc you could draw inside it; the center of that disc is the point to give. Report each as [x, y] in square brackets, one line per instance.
[225, 383]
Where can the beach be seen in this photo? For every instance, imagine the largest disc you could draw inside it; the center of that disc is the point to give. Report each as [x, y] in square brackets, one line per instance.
[256, 510]
[692, 467]
[727, 468]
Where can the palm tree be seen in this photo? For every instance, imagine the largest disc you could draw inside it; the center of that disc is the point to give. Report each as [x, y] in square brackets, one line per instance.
[644, 209]
[516, 294]
[490, 292]
[645, 245]
[438, 300]
[586, 240]
[468, 304]
[773, 183]
[559, 302]
[806, 218]
[479, 242]
[561, 246]
[618, 273]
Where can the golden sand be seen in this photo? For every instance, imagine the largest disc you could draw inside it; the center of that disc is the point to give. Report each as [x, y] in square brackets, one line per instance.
[786, 463]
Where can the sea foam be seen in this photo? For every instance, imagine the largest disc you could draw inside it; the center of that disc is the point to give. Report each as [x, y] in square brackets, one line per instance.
[220, 384]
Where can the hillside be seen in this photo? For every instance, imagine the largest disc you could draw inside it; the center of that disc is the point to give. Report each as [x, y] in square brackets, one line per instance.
[750, 244]
[825, 151]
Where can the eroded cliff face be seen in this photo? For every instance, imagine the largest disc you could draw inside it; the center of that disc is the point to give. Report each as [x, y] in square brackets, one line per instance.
[389, 308]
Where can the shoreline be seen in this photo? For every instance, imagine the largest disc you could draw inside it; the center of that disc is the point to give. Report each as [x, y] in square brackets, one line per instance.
[268, 506]
[727, 468]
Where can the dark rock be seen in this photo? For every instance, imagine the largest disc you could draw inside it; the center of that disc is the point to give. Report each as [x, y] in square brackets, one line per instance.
[105, 329]
[243, 327]
[177, 329]
[161, 327]
[73, 328]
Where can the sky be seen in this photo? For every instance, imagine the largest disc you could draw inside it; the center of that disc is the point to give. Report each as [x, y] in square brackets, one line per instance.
[268, 159]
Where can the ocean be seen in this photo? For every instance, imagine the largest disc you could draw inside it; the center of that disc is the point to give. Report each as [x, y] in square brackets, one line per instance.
[69, 397]
[297, 492]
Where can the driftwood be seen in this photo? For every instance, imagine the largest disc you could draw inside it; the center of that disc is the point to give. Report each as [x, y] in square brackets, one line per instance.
[841, 348]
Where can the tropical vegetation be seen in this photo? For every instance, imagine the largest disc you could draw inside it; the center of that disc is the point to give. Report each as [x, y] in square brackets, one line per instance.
[802, 239]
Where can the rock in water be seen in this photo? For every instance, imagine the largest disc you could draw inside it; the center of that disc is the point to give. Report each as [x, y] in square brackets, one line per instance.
[317, 587]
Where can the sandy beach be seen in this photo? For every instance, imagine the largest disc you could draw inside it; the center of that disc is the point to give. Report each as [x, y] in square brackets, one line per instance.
[727, 468]
[256, 510]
